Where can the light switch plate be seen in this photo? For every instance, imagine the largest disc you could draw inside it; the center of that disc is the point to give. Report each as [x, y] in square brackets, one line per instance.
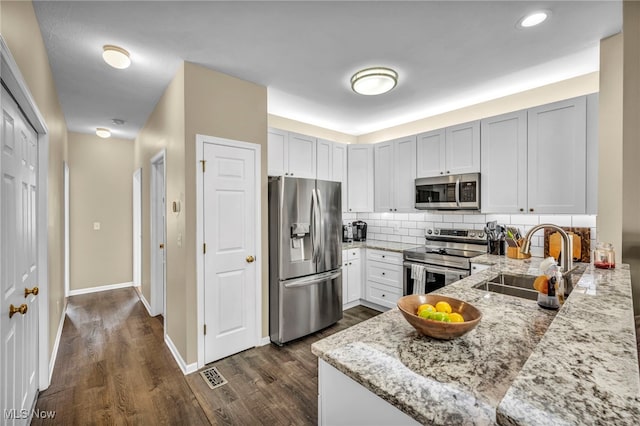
[96, 226]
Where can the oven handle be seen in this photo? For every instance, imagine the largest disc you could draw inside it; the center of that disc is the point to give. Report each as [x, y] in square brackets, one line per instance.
[436, 269]
[458, 192]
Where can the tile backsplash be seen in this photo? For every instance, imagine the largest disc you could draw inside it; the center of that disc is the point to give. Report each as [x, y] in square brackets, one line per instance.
[410, 227]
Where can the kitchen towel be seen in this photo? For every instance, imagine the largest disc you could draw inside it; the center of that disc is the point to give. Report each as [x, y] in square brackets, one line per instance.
[418, 274]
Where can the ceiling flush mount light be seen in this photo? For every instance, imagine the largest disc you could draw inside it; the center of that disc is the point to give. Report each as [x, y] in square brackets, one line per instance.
[374, 81]
[533, 19]
[103, 133]
[116, 56]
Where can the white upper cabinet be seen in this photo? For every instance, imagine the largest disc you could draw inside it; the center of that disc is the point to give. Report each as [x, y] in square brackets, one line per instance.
[395, 175]
[291, 154]
[431, 153]
[339, 167]
[504, 163]
[277, 163]
[302, 156]
[557, 157]
[535, 160]
[383, 153]
[453, 150]
[332, 165]
[324, 160]
[462, 153]
[360, 178]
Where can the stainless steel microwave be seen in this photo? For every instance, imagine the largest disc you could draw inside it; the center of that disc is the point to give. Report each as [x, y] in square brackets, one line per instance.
[452, 192]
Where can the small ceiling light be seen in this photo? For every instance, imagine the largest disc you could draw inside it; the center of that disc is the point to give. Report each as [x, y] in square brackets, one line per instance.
[533, 19]
[118, 121]
[374, 81]
[103, 133]
[116, 56]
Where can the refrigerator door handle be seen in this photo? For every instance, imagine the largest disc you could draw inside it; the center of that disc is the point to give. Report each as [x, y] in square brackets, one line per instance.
[307, 281]
[321, 241]
[315, 237]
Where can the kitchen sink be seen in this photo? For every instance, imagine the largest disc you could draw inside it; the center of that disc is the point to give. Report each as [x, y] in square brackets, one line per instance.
[522, 285]
[512, 285]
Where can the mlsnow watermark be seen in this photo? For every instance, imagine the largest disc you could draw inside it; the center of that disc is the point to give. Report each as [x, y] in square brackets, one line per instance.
[14, 414]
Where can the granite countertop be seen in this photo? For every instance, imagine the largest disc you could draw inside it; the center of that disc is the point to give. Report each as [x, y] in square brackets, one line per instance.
[380, 245]
[520, 365]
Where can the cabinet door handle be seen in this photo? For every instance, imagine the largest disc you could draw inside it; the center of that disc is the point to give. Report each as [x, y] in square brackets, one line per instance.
[521, 210]
[448, 172]
[33, 291]
[390, 210]
[384, 273]
[349, 263]
[530, 210]
[384, 295]
[383, 256]
[290, 174]
[286, 174]
[441, 173]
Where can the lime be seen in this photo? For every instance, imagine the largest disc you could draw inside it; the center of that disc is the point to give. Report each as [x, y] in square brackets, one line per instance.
[426, 307]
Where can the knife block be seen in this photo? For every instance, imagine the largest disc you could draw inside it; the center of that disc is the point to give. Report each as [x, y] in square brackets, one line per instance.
[514, 252]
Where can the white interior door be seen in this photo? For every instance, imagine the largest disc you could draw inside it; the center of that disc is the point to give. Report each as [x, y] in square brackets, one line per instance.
[18, 264]
[67, 240]
[230, 287]
[137, 228]
[158, 235]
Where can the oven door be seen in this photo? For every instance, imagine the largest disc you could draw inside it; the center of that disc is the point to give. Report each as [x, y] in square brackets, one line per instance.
[436, 277]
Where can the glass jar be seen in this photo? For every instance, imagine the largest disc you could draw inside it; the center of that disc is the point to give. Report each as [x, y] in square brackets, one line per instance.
[604, 257]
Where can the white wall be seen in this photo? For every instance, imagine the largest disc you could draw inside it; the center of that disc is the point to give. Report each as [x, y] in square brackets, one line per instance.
[410, 227]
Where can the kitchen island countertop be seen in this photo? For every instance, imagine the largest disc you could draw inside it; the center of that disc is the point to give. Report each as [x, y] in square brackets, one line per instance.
[522, 365]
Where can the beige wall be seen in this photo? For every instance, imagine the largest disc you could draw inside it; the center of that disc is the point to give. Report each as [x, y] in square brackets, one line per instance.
[309, 129]
[164, 130]
[542, 95]
[198, 101]
[631, 145]
[100, 190]
[609, 221]
[227, 107]
[19, 27]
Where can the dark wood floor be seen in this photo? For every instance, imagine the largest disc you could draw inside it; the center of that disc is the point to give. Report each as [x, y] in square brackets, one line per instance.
[114, 368]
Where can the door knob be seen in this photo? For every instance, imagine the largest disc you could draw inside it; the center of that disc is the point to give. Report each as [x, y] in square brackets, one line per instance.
[250, 259]
[33, 291]
[161, 246]
[22, 309]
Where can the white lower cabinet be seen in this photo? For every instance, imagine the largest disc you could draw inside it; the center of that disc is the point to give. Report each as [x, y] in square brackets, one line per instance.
[343, 401]
[383, 287]
[351, 278]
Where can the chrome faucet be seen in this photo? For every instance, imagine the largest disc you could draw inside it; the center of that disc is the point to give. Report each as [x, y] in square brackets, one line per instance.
[566, 260]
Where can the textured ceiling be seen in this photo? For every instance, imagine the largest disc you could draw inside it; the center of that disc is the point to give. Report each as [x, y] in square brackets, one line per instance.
[448, 53]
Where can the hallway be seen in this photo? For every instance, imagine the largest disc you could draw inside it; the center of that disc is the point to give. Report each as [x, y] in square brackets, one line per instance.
[114, 368]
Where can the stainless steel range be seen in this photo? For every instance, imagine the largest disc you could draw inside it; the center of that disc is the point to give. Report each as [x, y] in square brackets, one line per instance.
[446, 257]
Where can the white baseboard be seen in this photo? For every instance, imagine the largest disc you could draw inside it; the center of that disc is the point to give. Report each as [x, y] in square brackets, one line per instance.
[264, 341]
[100, 288]
[56, 343]
[186, 368]
[143, 300]
[351, 305]
[374, 306]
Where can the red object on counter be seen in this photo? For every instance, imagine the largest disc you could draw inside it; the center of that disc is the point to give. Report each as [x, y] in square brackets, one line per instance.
[604, 265]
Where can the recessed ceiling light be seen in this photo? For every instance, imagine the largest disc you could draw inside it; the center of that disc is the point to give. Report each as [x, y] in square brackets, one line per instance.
[533, 19]
[103, 133]
[118, 121]
[374, 81]
[116, 56]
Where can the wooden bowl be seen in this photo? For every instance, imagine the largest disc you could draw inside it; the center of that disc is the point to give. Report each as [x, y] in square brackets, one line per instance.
[408, 305]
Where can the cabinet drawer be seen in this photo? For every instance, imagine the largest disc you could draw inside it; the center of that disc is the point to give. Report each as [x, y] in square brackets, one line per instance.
[385, 256]
[384, 273]
[383, 295]
[478, 267]
[353, 254]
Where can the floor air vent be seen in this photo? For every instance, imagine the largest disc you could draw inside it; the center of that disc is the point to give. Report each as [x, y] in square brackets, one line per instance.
[213, 377]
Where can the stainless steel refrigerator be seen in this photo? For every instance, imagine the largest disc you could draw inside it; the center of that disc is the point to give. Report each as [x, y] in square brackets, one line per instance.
[305, 256]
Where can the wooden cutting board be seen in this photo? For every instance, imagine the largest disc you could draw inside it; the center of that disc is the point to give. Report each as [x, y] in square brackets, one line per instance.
[581, 243]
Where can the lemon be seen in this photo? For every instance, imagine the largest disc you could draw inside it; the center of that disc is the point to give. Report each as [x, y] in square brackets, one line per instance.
[443, 306]
[456, 317]
[427, 307]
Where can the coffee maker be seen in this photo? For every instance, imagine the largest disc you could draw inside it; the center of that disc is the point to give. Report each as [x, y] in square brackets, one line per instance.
[359, 230]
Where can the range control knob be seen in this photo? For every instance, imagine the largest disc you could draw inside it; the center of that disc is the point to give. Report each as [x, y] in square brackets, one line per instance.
[436, 231]
[472, 234]
[429, 231]
[481, 235]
